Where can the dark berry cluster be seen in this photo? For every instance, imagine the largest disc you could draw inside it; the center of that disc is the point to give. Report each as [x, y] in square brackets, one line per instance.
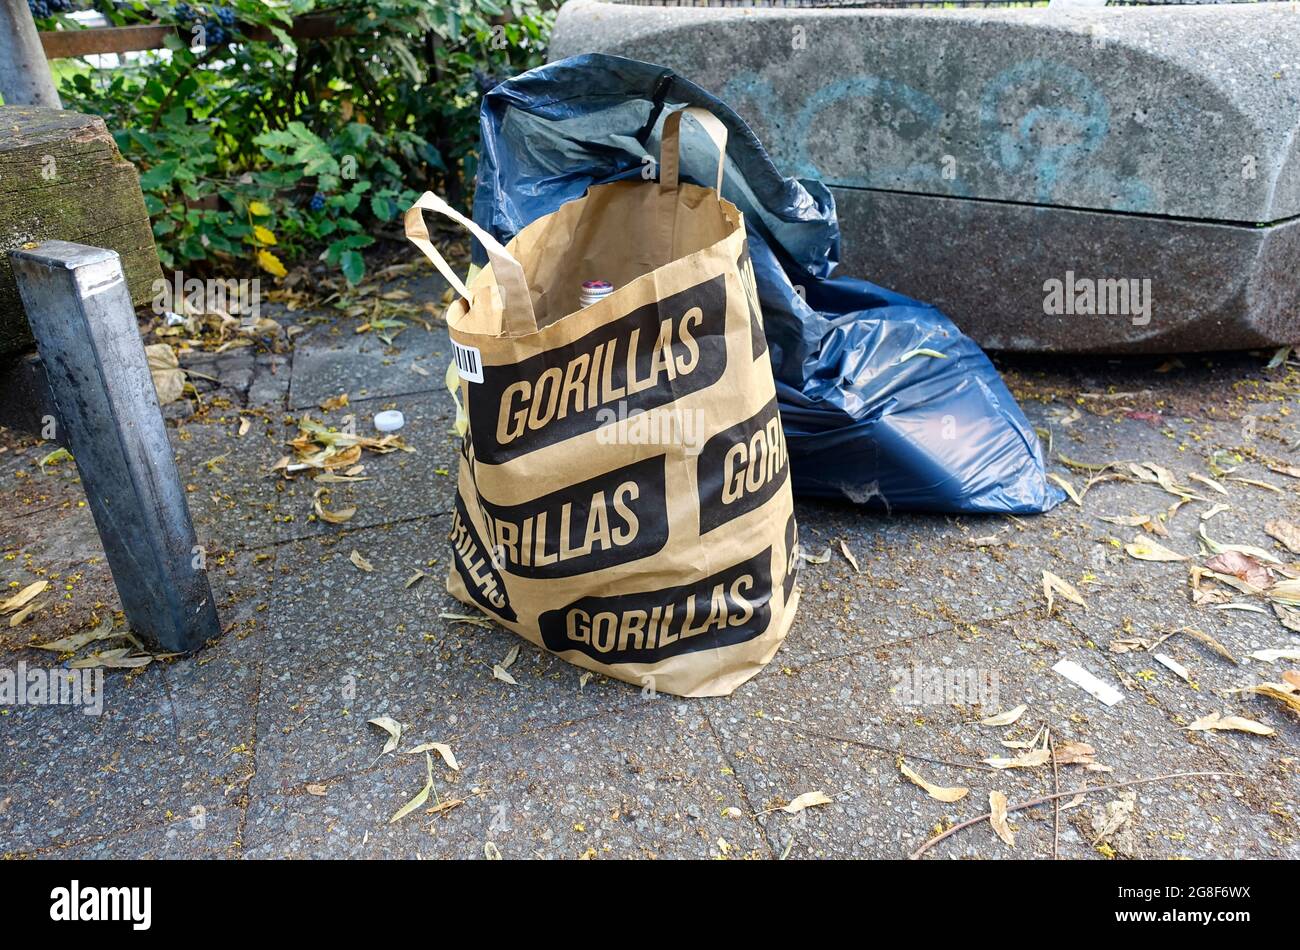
[216, 21]
[48, 8]
[317, 202]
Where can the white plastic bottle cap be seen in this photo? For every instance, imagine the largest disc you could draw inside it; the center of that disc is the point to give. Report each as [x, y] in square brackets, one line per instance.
[390, 420]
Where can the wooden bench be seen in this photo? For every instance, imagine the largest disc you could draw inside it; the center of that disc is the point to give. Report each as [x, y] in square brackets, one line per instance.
[76, 255]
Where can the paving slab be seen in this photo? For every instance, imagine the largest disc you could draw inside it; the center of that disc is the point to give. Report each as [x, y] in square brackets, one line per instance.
[346, 646]
[648, 781]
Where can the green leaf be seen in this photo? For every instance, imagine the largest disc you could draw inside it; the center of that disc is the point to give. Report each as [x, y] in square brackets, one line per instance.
[354, 267]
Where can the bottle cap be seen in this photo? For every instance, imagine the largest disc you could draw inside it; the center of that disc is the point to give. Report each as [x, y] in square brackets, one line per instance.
[390, 420]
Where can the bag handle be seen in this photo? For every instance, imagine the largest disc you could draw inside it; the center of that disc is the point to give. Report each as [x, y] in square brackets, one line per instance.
[509, 273]
[670, 143]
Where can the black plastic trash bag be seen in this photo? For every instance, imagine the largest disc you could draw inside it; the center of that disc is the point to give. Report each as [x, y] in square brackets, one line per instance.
[881, 397]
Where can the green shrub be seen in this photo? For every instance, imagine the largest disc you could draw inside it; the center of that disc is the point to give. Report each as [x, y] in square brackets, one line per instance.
[265, 150]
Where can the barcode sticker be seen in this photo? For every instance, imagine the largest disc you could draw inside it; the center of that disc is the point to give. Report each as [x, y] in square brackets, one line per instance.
[469, 362]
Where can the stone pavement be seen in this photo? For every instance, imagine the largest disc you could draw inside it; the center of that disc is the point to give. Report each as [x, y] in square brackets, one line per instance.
[259, 746]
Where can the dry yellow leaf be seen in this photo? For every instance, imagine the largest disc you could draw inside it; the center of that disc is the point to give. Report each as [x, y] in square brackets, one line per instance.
[24, 596]
[1005, 718]
[1056, 585]
[1235, 723]
[998, 818]
[1145, 549]
[951, 794]
[806, 800]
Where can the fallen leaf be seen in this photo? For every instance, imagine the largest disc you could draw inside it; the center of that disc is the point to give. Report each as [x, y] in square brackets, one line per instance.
[1206, 480]
[356, 558]
[320, 791]
[806, 800]
[1005, 718]
[1130, 644]
[334, 402]
[1252, 608]
[24, 596]
[511, 656]
[1055, 585]
[1214, 510]
[26, 612]
[1217, 547]
[58, 455]
[112, 659]
[164, 367]
[1114, 819]
[1285, 693]
[415, 579]
[953, 794]
[1078, 753]
[442, 749]
[76, 641]
[815, 558]
[498, 672]
[1150, 472]
[998, 818]
[1289, 616]
[1272, 656]
[1236, 723]
[1039, 754]
[1145, 522]
[1243, 567]
[1287, 591]
[1069, 489]
[1286, 533]
[1030, 759]
[1144, 549]
[392, 727]
[421, 796]
[244, 423]
[848, 556]
[339, 516]
[478, 620]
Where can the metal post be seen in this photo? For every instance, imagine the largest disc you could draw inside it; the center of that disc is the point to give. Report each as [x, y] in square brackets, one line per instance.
[25, 78]
[81, 315]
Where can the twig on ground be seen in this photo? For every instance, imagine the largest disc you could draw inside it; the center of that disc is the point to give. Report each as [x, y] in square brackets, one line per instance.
[891, 751]
[1056, 804]
[1086, 790]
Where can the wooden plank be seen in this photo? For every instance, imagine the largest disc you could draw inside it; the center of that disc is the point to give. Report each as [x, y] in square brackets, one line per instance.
[62, 178]
[66, 44]
[80, 311]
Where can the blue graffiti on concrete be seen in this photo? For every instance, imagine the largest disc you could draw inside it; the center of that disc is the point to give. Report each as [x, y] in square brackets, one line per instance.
[1019, 135]
[915, 110]
[1052, 142]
